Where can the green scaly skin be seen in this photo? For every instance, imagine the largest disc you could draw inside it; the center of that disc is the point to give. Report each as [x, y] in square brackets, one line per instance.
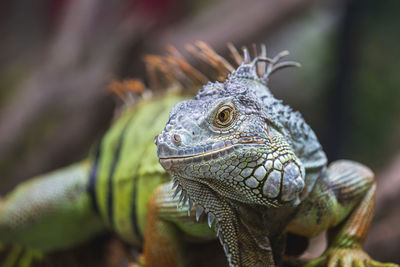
[108, 192]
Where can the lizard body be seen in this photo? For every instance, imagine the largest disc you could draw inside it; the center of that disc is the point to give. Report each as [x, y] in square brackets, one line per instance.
[257, 173]
[116, 183]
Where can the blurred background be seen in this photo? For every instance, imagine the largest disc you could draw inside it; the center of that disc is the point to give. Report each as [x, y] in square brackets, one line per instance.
[57, 57]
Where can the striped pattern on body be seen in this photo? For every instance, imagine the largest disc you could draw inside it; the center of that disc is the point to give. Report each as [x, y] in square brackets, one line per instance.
[125, 168]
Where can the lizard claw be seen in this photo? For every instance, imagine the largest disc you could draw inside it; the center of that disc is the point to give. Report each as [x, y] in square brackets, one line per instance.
[346, 257]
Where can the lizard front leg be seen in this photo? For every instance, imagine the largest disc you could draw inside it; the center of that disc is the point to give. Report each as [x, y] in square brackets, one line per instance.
[343, 204]
[346, 240]
[162, 246]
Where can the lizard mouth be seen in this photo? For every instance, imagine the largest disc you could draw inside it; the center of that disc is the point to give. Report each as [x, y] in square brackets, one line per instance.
[178, 163]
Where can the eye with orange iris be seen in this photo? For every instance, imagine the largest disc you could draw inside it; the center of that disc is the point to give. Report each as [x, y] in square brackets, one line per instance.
[224, 117]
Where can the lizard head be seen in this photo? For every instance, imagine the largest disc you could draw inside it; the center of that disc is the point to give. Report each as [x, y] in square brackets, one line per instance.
[230, 139]
[236, 151]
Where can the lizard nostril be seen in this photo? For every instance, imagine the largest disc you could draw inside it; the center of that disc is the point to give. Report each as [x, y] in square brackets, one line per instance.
[176, 138]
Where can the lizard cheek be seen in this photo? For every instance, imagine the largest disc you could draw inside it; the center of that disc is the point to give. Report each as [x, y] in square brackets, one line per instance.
[292, 183]
[272, 185]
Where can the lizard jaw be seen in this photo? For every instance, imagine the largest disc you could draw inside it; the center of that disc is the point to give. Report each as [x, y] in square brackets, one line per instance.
[176, 163]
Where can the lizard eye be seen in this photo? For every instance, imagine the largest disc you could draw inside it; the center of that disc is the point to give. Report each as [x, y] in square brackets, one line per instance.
[225, 117]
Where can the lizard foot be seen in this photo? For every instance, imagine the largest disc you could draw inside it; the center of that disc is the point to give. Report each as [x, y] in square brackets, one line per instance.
[345, 257]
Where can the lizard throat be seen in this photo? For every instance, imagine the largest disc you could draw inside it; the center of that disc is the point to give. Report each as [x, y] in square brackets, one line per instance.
[216, 210]
[223, 215]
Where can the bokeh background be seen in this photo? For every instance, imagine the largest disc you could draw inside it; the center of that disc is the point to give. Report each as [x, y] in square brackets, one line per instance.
[57, 57]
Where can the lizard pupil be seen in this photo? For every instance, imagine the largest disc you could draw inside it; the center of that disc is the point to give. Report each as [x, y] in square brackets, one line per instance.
[224, 115]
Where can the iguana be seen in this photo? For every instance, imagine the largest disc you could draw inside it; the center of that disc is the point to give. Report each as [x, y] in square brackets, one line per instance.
[121, 187]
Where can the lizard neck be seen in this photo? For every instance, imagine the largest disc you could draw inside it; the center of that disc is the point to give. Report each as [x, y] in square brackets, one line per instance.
[262, 237]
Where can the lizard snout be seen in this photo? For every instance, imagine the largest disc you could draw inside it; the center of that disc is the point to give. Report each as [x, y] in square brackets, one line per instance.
[168, 144]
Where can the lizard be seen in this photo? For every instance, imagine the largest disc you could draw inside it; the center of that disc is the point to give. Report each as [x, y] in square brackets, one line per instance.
[258, 171]
[121, 186]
